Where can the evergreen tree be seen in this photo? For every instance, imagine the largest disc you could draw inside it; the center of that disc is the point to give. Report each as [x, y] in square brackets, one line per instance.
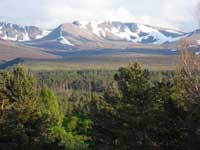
[32, 119]
[126, 118]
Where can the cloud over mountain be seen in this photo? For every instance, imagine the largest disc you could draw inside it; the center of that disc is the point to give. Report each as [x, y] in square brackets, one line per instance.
[48, 13]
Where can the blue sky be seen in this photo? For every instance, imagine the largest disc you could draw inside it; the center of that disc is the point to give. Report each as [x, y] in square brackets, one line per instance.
[179, 14]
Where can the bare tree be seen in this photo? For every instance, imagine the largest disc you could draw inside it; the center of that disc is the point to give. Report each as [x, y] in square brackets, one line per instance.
[189, 71]
[188, 68]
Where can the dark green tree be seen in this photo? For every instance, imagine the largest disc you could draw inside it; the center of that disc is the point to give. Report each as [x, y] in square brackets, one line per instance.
[124, 119]
[32, 119]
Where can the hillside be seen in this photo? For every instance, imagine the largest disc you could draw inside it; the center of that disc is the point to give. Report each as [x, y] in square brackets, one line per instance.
[10, 50]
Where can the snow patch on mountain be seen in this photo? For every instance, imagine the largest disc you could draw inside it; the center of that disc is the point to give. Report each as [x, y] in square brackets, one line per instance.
[124, 31]
[160, 37]
[14, 32]
[44, 33]
[82, 24]
[96, 30]
[126, 35]
[26, 37]
[63, 40]
[198, 42]
[197, 53]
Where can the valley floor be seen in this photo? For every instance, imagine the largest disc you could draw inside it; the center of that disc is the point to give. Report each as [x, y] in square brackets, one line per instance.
[152, 62]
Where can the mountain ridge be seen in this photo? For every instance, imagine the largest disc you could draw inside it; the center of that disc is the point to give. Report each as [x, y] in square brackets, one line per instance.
[15, 32]
[90, 35]
[98, 35]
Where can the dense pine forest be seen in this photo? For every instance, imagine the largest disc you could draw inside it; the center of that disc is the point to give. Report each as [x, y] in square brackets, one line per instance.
[129, 109]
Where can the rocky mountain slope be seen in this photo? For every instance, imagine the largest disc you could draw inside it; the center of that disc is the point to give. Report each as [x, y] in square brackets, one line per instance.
[101, 35]
[14, 32]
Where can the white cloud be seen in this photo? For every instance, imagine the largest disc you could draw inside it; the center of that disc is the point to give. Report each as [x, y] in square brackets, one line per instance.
[49, 13]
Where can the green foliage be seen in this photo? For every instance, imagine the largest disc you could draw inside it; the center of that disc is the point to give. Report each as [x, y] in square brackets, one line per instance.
[67, 140]
[141, 113]
[127, 117]
[138, 110]
[19, 85]
[32, 118]
[21, 122]
[49, 106]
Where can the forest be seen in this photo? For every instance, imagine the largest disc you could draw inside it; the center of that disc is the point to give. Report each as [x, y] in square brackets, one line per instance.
[129, 109]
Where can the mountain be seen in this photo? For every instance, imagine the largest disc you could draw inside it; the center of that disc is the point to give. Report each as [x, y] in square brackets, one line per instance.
[194, 35]
[14, 32]
[81, 38]
[132, 32]
[99, 35]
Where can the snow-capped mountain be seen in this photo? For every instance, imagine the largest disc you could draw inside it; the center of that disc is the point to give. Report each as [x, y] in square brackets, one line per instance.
[131, 32]
[90, 35]
[14, 32]
[94, 35]
[67, 36]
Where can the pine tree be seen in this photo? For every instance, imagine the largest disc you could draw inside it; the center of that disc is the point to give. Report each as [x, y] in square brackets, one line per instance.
[123, 120]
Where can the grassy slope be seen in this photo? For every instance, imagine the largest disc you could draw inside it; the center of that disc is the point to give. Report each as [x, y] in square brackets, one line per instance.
[11, 50]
